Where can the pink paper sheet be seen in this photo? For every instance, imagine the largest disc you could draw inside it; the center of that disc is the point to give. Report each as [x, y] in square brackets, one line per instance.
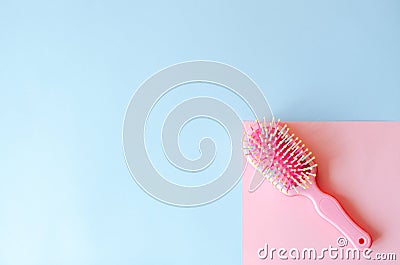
[358, 164]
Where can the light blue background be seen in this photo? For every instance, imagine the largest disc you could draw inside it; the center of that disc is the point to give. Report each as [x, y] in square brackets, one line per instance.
[69, 68]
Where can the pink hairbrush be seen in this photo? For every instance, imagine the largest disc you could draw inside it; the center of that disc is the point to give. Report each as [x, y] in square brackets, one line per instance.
[290, 167]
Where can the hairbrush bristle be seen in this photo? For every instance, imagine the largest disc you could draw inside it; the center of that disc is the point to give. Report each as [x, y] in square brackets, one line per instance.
[280, 156]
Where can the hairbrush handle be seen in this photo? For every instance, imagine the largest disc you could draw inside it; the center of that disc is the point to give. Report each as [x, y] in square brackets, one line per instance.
[330, 209]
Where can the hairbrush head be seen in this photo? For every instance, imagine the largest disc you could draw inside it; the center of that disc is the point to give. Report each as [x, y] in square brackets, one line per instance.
[280, 156]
